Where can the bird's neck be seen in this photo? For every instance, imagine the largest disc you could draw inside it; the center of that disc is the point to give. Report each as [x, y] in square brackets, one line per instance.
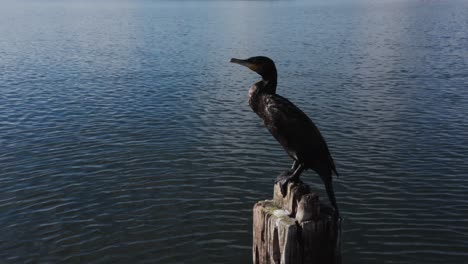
[260, 88]
[269, 86]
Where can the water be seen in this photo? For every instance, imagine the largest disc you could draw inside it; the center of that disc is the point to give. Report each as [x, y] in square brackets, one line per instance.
[125, 134]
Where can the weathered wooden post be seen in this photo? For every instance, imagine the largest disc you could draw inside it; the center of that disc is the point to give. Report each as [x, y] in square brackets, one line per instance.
[295, 230]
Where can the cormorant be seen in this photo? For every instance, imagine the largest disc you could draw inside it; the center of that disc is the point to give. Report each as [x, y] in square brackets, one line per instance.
[291, 127]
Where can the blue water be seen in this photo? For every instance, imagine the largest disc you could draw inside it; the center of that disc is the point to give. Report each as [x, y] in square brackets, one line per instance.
[125, 133]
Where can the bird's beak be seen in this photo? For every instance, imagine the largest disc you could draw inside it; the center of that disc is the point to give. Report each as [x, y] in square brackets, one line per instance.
[245, 63]
[241, 62]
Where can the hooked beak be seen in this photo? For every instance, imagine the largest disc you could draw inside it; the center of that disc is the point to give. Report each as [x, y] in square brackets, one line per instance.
[245, 63]
[241, 62]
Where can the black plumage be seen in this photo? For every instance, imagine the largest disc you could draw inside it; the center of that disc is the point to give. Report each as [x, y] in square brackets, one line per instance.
[290, 126]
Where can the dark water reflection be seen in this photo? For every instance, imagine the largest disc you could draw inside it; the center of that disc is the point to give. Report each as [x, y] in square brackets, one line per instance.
[126, 136]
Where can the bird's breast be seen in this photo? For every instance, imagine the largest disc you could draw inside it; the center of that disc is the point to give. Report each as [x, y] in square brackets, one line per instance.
[253, 91]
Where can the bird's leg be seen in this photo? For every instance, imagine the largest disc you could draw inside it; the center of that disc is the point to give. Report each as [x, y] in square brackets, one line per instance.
[297, 172]
[294, 166]
[285, 174]
[292, 177]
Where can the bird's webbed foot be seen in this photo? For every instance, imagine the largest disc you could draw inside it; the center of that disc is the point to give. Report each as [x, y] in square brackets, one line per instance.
[283, 179]
[284, 186]
[287, 173]
[284, 175]
[287, 176]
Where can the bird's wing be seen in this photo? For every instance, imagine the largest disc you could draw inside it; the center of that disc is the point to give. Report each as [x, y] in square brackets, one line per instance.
[295, 131]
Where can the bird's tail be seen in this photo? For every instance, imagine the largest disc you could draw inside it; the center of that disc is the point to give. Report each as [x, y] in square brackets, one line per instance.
[331, 193]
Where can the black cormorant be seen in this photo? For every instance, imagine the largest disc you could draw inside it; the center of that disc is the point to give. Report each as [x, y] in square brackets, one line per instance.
[291, 127]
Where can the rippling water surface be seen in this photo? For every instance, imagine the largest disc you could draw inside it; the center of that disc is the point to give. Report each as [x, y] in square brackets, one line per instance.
[125, 134]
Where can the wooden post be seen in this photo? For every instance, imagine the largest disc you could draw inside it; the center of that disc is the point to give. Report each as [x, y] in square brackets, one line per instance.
[295, 230]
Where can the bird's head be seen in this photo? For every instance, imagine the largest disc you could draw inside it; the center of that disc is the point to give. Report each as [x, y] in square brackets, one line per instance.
[260, 64]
